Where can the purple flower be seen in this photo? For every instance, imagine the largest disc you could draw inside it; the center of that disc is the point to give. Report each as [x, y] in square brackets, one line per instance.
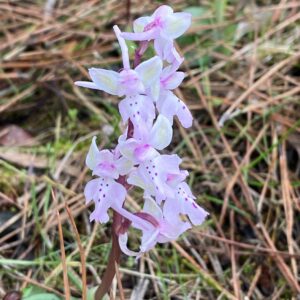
[105, 163]
[158, 176]
[146, 141]
[106, 193]
[169, 106]
[139, 108]
[127, 82]
[163, 27]
[184, 203]
[162, 229]
[167, 103]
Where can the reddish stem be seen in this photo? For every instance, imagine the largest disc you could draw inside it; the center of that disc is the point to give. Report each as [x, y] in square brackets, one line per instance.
[114, 257]
[139, 52]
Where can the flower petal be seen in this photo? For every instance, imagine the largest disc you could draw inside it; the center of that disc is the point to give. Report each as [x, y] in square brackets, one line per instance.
[167, 105]
[163, 48]
[136, 179]
[154, 91]
[169, 163]
[108, 193]
[91, 190]
[149, 70]
[124, 166]
[123, 238]
[184, 115]
[195, 213]
[161, 133]
[172, 229]
[162, 11]
[123, 46]
[185, 200]
[93, 155]
[87, 84]
[140, 36]
[149, 239]
[105, 80]
[127, 147]
[144, 152]
[176, 24]
[138, 108]
[130, 83]
[140, 23]
[151, 207]
[172, 81]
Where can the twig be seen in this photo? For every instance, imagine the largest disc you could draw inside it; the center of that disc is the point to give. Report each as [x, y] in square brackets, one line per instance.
[81, 252]
[63, 256]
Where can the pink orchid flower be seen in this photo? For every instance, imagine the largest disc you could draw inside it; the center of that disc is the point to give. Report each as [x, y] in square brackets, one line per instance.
[184, 203]
[128, 82]
[163, 228]
[146, 141]
[158, 176]
[105, 163]
[163, 27]
[167, 103]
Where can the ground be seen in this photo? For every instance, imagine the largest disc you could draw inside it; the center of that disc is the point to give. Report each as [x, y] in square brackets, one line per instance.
[242, 64]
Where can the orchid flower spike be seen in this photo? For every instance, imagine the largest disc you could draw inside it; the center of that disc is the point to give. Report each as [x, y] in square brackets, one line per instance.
[148, 107]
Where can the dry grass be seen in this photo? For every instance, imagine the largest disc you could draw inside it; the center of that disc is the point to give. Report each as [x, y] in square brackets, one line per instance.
[243, 152]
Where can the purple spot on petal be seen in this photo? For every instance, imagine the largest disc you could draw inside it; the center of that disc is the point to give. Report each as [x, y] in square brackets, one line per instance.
[183, 107]
[195, 206]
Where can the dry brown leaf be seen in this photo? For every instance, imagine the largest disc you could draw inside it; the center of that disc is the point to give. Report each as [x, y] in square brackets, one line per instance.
[13, 135]
[24, 159]
[27, 160]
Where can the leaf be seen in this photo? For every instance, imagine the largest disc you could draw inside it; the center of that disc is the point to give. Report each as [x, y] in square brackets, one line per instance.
[44, 296]
[33, 292]
[220, 8]
[200, 15]
[196, 11]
